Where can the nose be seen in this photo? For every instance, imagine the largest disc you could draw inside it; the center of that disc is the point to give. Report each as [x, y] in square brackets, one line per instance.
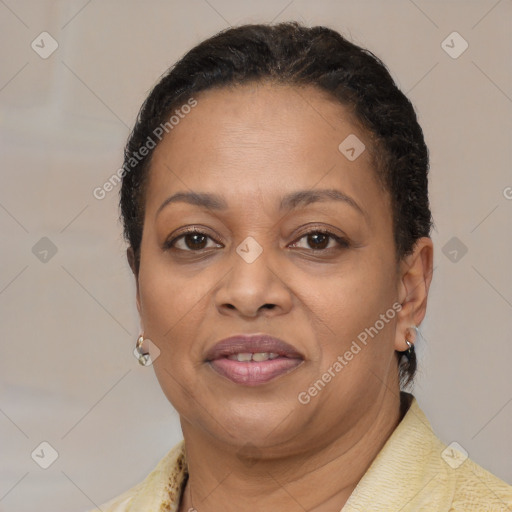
[253, 288]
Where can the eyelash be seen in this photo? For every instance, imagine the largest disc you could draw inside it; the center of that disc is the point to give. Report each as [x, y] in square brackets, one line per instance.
[342, 242]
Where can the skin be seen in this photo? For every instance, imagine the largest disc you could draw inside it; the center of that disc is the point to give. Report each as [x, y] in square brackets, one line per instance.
[258, 448]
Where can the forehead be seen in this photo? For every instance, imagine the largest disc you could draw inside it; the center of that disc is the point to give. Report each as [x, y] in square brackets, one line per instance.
[260, 117]
[262, 140]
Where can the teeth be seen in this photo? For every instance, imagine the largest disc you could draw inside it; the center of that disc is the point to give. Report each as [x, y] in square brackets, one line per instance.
[244, 356]
[258, 356]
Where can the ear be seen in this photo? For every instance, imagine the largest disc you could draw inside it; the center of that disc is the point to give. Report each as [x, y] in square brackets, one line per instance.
[415, 276]
[130, 255]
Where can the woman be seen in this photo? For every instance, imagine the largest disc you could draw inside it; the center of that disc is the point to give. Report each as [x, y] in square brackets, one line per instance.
[275, 204]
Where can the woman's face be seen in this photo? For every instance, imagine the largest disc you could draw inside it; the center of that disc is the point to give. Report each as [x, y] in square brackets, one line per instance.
[253, 147]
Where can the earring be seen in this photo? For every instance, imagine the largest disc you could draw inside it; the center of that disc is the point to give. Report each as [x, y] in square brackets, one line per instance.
[143, 357]
[409, 353]
[410, 350]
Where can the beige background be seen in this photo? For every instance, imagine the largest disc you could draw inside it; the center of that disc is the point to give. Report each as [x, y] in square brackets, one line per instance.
[68, 325]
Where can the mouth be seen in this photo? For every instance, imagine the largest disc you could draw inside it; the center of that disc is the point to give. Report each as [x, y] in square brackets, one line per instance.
[252, 360]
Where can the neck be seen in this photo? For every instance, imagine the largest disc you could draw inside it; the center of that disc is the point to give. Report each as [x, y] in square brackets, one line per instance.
[318, 481]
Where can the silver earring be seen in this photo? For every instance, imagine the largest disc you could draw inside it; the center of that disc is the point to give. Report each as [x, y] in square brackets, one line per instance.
[410, 350]
[143, 357]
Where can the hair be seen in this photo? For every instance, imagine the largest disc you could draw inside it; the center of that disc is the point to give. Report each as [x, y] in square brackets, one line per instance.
[292, 54]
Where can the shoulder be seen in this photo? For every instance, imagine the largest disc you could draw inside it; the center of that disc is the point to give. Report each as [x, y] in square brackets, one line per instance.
[479, 490]
[416, 471]
[470, 487]
[160, 490]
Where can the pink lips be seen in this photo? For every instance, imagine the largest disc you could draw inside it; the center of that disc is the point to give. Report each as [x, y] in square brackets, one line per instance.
[253, 373]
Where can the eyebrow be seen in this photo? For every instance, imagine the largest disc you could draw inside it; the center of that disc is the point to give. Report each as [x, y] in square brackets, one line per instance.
[289, 202]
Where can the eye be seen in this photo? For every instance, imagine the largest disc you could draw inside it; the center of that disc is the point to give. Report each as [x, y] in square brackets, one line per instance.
[321, 240]
[192, 240]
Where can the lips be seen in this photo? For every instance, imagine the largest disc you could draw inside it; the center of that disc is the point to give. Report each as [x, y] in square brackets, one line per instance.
[253, 359]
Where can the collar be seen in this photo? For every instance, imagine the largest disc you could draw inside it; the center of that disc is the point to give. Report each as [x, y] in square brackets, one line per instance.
[409, 473]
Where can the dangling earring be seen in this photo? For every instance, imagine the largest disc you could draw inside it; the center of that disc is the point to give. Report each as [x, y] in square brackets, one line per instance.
[143, 357]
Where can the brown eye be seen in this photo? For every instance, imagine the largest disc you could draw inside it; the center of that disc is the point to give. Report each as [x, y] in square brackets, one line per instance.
[195, 241]
[190, 241]
[321, 241]
[318, 240]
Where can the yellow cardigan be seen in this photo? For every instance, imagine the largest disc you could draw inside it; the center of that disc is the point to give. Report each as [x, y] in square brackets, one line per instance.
[414, 471]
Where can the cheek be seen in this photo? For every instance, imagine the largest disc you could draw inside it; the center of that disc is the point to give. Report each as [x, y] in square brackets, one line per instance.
[172, 306]
[352, 302]
[168, 298]
[356, 341]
